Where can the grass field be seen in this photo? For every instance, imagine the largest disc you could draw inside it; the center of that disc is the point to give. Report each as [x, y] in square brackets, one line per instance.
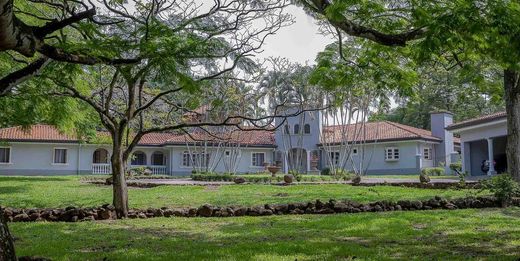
[29, 192]
[490, 234]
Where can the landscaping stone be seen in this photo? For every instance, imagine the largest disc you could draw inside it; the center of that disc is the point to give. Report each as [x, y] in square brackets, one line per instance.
[205, 211]
[239, 180]
[288, 178]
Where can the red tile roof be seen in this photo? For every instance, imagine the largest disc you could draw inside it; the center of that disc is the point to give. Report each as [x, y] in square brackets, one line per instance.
[478, 120]
[374, 132]
[247, 138]
[38, 132]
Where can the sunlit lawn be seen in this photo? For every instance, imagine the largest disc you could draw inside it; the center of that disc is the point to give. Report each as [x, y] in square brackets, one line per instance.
[490, 234]
[28, 192]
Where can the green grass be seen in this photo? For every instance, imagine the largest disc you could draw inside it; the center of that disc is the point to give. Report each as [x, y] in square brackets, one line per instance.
[416, 177]
[29, 192]
[490, 234]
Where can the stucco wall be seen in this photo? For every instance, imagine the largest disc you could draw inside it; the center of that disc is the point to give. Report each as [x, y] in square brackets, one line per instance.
[375, 159]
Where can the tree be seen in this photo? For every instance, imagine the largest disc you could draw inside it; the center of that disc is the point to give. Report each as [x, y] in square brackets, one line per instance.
[457, 32]
[35, 32]
[6, 241]
[467, 94]
[183, 47]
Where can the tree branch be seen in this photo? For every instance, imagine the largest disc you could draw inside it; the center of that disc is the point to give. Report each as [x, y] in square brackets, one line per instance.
[17, 77]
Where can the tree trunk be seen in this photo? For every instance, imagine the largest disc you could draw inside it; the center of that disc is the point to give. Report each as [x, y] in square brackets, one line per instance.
[512, 98]
[6, 241]
[120, 190]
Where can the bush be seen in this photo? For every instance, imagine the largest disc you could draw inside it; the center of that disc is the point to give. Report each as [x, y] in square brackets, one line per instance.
[296, 175]
[433, 171]
[456, 167]
[325, 172]
[212, 177]
[504, 187]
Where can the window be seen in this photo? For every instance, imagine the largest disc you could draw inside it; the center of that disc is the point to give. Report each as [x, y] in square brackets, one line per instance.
[227, 153]
[334, 157]
[286, 129]
[100, 156]
[158, 159]
[391, 154]
[296, 128]
[195, 159]
[427, 153]
[355, 151]
[5, 155]
[138, 158]
[257, 159]
[307, 129]
[60, 156]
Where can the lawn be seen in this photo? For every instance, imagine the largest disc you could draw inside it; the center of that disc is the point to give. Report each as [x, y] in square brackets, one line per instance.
[490, 234]
[29, 192]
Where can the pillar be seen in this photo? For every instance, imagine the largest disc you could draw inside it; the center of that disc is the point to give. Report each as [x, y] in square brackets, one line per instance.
[491, 160]
[309, 157]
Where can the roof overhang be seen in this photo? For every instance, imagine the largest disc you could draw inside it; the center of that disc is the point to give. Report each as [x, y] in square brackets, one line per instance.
[476, 125]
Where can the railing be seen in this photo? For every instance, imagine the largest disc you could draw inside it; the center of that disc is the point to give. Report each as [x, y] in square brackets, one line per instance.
[156, 170]
[101, 169]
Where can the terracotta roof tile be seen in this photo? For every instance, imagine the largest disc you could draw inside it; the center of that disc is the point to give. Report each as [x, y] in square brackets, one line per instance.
[38, 132]
[478, 120]
[373, 132]
[249, 138]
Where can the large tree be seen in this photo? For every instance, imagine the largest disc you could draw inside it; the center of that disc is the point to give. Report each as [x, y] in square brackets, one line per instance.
[459, 32]
[183, 47]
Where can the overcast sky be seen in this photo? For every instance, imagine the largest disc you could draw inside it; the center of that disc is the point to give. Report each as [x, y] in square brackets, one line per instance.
[299, 42]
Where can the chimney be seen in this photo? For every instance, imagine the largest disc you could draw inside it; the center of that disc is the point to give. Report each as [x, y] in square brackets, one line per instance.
[443, 151]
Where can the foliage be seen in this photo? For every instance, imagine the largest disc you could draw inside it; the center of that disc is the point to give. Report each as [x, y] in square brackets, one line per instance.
[437, 171]
[456, 166]
[140, 171]
[504, 187]
[212, 177]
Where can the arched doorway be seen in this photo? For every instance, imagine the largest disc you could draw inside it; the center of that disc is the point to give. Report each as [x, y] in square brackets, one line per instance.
[297, 160]
[138, 159]
[100, 156]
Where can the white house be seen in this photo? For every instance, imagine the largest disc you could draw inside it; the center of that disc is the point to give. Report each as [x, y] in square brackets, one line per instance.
[483, 140]
[395, 149]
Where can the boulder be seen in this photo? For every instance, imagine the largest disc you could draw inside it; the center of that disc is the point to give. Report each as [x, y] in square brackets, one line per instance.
[104, 214]
[205, 210]
[288, 178]
[21, 217]
[424, 178]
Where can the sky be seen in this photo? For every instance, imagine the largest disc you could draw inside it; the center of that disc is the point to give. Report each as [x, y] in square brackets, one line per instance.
[299, 42]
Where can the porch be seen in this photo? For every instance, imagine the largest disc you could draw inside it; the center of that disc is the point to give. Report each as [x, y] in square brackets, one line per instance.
[485, 156]
[154, 161]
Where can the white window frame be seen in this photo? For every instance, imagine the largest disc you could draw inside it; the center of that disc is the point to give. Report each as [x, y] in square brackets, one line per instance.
[10, 155]
[191, 161]
[393, 151]
[54, 156]
[334, 159]
[252, 157]
[427, 153]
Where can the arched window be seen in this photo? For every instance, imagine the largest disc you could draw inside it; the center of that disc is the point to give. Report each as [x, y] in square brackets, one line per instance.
[286, 129]
[100, 156]
[307, 129]
[296, 128]
[138, 158]
[158, 159]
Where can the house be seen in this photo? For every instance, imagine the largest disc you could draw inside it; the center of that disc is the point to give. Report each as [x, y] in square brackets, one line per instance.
[302, 143]
[483, 140]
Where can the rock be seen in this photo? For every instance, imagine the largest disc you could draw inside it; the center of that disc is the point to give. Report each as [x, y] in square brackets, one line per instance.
[239, 180]
[341, 207]
[398, 207]
[34, 216]
[205, 211]
[109, 181]
[424, 178]
[450, 206]
[377, 208]
[356, 180]
[74, 219]
[141, 215]
[319, 204]
[240, 211]
[192, 212]
[132, 215]
[288, 178]
[104, 214]
[416, 204]
[168, 212]
[21, 217]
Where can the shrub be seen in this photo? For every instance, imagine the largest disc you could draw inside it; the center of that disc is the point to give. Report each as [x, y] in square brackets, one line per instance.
[296, 175]
[342, 174]
[433, 171]
[504, 187]
[212, 177]
[325, 172]
[456, 167]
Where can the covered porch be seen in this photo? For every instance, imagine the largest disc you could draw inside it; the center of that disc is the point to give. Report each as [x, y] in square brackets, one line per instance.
[155, 161]
[485, 156]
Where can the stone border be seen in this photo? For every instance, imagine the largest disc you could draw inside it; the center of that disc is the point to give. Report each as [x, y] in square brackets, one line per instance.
[105, 212]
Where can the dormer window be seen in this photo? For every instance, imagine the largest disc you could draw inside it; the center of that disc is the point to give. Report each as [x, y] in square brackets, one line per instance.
[307, 129]
[296, 128]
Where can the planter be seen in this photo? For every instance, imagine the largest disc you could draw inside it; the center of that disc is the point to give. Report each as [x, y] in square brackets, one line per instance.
[273, 170]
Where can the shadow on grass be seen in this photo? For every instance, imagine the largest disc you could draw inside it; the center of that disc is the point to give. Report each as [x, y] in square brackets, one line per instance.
[421, 235]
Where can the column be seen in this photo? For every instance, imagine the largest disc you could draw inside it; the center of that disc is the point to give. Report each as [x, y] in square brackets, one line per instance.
[491, 160]
[285, 163]
[309, 157]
